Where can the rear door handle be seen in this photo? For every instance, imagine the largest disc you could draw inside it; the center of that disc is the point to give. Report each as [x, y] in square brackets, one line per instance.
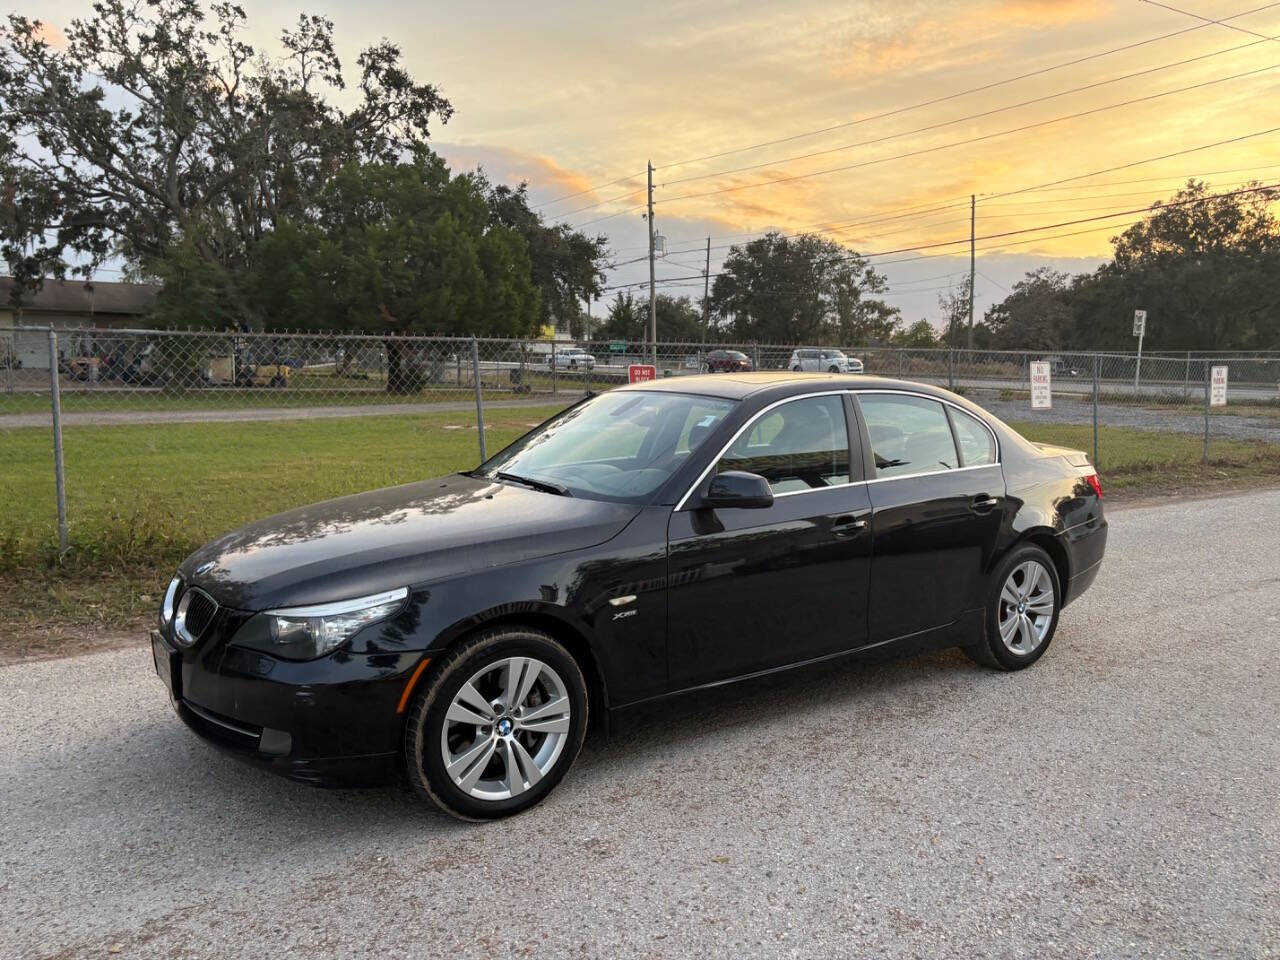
[846, 525]
[984, 504]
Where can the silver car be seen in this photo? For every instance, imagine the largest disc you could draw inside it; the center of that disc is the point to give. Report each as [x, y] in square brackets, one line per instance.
[571, 358]
[824, 360]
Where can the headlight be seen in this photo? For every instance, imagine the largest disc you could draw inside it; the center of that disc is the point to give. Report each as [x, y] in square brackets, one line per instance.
[166, 608]
[304, 633]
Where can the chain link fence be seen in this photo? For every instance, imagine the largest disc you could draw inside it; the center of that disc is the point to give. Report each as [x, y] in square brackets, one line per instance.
[103, 376]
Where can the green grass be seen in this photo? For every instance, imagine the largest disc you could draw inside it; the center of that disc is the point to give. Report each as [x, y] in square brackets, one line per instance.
[155, 492]
[140, 498]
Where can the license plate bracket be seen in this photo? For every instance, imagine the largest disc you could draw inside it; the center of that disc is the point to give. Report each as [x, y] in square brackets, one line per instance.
[168, 663]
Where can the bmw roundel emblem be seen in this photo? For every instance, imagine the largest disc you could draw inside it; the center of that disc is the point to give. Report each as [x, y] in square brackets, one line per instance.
[207, 565]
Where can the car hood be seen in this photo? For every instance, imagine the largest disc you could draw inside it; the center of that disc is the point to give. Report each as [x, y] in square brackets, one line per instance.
[395, 537]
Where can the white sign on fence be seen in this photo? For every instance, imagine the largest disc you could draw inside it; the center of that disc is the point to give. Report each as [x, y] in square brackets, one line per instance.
[1218, 387]
[1041, 394]
[1139, 322]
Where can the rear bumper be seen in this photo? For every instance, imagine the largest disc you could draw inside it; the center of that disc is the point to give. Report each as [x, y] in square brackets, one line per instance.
[1085, 544]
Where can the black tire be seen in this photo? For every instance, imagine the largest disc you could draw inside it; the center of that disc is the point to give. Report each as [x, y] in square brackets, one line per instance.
[833, 369]
[991, 651]
[424, 763]
[795, 369]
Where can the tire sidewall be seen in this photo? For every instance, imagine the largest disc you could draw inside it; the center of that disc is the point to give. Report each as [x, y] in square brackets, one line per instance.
[1004, 656]
[423, 762]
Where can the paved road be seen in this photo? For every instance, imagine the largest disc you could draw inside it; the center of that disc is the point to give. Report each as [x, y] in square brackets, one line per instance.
[106, 418]
[1117, 800]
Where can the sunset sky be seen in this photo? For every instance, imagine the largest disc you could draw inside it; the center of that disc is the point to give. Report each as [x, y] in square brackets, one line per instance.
[571, 96]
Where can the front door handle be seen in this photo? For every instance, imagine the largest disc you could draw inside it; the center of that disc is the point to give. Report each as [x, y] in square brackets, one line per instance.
[984, 504]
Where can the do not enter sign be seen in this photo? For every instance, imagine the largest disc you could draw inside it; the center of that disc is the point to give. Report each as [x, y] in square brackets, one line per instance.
[641, 372]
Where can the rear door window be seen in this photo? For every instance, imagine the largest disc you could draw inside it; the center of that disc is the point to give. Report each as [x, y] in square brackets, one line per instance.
[909, 435]
[977, 448]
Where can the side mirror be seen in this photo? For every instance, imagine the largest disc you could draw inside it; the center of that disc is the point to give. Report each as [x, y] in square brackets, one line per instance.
[737, 488]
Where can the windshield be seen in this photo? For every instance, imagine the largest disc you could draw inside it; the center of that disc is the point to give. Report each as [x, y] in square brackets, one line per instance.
[617, 446]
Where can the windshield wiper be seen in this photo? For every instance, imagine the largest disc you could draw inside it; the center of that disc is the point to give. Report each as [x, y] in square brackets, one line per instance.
[546, 486]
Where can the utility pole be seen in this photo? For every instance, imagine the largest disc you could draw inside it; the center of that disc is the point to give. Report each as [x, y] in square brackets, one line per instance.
[706, 286]
[973, 211]
[653, 306]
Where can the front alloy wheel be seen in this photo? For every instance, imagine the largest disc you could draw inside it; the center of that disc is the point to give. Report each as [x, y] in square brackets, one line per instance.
[498, 723]
[505, 729]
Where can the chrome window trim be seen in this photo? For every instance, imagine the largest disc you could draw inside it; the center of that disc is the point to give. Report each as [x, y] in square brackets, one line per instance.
[931, 473]
[339, 607]
[855, 392]
[750, 423]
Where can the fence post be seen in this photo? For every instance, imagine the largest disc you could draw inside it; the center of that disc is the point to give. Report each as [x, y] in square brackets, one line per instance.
[475, 369]
[554, 367]
[1204, 457]
[60, 475]
[951, 379]
[1186, 379]
[755, 358]
[1097, 376]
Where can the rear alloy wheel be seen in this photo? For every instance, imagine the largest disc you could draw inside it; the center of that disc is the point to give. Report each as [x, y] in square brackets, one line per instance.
[1022, 611]
[498, 725]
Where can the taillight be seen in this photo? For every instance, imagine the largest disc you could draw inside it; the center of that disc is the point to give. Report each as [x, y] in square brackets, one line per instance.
[1095, 483]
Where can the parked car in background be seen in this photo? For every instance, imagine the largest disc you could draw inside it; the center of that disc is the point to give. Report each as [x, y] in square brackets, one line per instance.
[571, 358]
[1062, 366]
[727, 361]
[646, 542]
[823, 360]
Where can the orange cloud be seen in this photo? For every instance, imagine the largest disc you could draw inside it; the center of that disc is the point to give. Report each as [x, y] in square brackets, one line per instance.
[51, 34]
[505, 165]
[1044, 13]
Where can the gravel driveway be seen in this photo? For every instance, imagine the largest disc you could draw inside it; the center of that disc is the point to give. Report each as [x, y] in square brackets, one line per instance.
[1119, 799]
[1068, 409]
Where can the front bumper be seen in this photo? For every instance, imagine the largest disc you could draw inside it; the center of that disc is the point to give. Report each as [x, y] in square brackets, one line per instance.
[329, 722]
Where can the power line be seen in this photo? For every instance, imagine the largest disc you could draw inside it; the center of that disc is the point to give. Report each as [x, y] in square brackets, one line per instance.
[1047, 226]
[973, 116]
[1136, 163]
[963, 93]
[972, 140]
[1058, 184]
[598, 186]
[1207, 21]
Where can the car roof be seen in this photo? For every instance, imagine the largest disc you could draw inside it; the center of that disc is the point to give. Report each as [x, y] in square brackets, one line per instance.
[778, 384]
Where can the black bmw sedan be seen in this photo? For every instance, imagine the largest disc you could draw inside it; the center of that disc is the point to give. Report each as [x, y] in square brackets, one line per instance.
[646, 542]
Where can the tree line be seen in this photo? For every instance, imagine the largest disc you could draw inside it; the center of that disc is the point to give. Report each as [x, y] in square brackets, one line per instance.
[154, 135]
[1205, 266]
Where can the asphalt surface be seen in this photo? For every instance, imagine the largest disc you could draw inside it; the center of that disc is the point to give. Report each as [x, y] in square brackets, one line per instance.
[1118, 799]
